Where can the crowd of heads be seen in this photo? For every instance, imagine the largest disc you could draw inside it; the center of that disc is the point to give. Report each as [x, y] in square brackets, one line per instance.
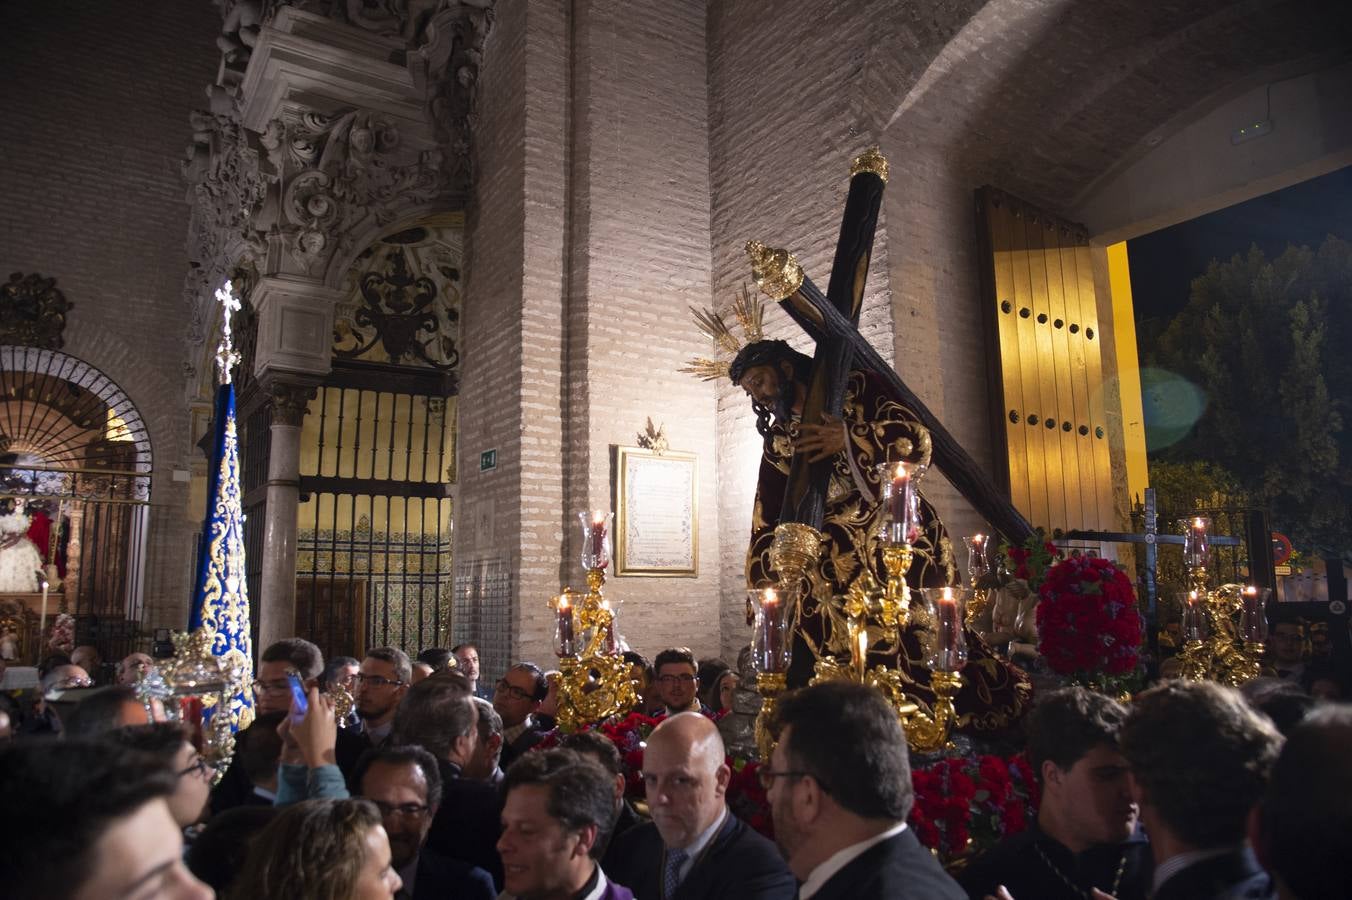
[1196, 765]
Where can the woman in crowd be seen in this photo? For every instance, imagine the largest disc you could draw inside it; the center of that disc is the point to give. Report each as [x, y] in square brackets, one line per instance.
[321, 850]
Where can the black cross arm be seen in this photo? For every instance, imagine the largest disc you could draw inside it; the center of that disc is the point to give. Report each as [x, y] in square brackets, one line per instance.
[947, 454]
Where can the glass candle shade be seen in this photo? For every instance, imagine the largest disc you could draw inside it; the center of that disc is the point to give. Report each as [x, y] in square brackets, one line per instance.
[978, 559]
[595, 538]
[565, 626]
[1196, 542]
[771, 642]
[900, 501]
[948, 606]
[1194, 626]
[1253, 625]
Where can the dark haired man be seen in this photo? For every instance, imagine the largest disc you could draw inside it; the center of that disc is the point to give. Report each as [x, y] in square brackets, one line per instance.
[874, 429]
[676, 676]
[1085, 836]
[1303, 831]
[555, 819]
[467, 661]
[695, 848]
[405, 785]
[89, 820]
[517, 698]
[382, 681]
[607, 755]
[439, 715]
[483, 766]
[839, 784]
[1199, 760]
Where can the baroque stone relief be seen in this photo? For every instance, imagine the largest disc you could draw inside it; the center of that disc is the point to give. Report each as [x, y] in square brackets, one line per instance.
[402, 298]
[289, 199]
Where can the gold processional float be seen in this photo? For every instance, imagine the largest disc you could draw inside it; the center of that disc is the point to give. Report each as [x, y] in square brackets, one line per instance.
[1223, 629]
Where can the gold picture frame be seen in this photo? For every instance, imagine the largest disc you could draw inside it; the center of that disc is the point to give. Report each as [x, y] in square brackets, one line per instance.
[656, 513]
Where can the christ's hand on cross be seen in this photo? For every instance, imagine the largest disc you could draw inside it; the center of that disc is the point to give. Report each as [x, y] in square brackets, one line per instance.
[822, 441]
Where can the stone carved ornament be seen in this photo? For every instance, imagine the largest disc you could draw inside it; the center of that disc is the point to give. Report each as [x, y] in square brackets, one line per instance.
[310, 180]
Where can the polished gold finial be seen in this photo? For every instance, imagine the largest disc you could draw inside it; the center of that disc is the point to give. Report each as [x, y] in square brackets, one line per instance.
[777, 272]
[870, 161]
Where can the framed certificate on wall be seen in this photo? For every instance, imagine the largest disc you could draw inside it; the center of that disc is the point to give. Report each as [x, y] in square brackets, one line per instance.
[656, 518]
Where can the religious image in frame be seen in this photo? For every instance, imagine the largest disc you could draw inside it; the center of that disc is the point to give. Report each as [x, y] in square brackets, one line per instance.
[656, 520]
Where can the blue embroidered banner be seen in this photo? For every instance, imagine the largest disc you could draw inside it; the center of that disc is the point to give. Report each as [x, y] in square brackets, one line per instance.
[221, 602]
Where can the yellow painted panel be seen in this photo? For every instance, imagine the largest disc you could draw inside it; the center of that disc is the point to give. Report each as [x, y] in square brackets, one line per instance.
[1128, 370]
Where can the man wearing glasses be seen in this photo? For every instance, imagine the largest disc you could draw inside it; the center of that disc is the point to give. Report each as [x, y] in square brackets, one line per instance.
[839, 785]
[516, 698]
[405, 785]
[382, 681]
[675, 674]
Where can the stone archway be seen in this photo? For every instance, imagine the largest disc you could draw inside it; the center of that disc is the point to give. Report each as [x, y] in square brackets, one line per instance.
[78, 455]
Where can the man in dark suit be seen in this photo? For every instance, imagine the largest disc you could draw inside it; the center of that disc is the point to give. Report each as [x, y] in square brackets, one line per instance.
[1199, 758]
[695, 848]
[1303, 832]
[438, 714]
[516, 699]
[839, 784]
[405, 784]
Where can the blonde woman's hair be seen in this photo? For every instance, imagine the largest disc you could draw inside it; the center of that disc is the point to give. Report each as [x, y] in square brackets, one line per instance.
[314, 850]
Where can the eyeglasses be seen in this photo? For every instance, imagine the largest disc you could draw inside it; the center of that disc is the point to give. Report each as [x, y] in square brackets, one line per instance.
[78, 681]
[767, 776]
[279, 686]
[404, 810]
[199, 765]
[676, 679]
[513, 691]
[376, 680]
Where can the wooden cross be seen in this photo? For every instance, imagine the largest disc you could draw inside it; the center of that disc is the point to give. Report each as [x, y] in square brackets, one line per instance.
[831, 320]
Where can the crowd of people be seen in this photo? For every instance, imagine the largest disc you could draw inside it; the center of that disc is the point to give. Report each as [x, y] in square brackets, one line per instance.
[437, 786]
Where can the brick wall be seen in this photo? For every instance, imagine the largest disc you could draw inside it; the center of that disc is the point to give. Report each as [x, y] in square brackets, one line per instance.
[600, 120]
[94, 119]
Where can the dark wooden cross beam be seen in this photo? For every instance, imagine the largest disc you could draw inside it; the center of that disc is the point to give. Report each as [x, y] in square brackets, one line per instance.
[805, 493]
[780, 277]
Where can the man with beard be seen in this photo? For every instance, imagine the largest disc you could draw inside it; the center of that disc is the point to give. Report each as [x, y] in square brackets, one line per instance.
[1085, 836]
[874, 429]
[405, 785]
[839, 785]
[694, 848]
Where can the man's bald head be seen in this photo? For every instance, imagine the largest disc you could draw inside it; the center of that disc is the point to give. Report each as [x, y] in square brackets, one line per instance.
[693, 733]
[686, 777]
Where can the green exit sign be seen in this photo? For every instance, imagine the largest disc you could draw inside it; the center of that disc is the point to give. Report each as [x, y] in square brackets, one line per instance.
[488, 460]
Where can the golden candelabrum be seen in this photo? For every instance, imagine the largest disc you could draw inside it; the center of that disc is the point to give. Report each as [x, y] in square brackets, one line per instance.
[874, 614]
[1223, 629]
[196, 674]
[594, 681]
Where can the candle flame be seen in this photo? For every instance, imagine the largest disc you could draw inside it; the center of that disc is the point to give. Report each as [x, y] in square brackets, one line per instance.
[1250, 590]
[1197, 523]
[564, 601]
[598, 516]
[771, 597]
[901, 472]
[977, 539]
[1192, 597]
[948, 595]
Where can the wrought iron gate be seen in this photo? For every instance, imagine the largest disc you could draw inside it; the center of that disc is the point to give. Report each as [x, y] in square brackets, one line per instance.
[373, 560]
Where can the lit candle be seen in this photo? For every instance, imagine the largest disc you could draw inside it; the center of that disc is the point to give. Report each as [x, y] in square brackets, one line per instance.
[950, 629]
[599, 535]
[861, 650]
[1253, 617]
[42, 624]
[1196, 545]
[770, 604]
[564, 646]
[1194, 622]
